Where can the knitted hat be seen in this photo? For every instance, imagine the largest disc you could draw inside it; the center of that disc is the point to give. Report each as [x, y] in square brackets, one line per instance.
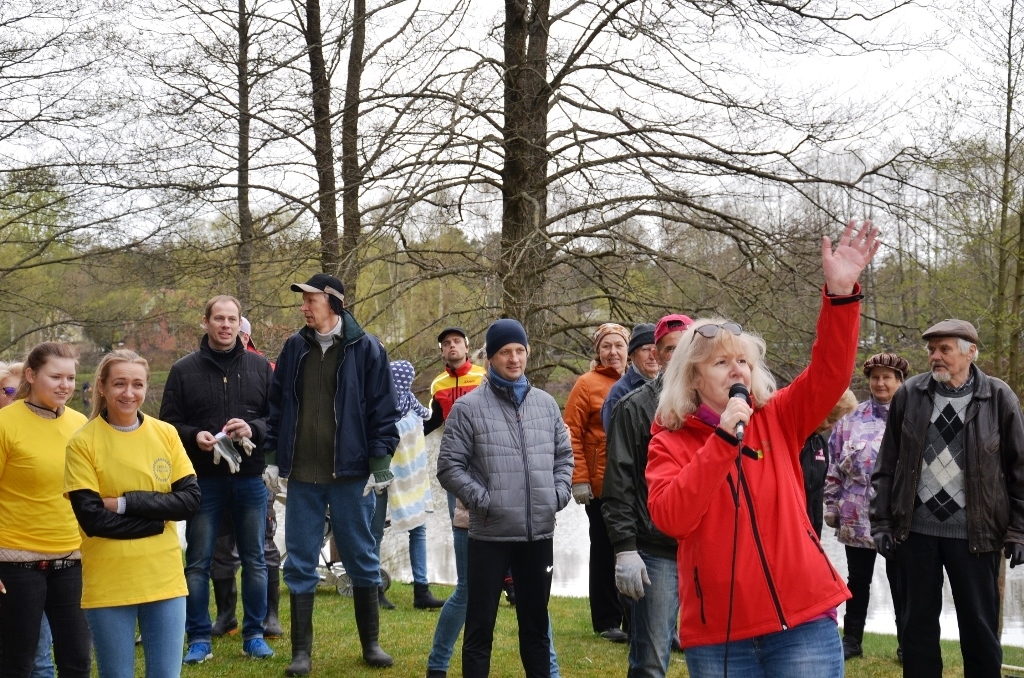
[503, 332]
[890, 360]
[643, 334]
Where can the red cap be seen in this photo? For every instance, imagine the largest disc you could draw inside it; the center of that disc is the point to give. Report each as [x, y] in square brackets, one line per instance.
[676, 322]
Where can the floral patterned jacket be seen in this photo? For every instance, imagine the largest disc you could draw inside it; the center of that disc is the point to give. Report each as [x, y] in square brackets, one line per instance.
[852, 449]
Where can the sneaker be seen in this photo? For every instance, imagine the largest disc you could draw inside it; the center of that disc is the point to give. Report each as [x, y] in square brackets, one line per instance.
[257, 648]
[198, 653]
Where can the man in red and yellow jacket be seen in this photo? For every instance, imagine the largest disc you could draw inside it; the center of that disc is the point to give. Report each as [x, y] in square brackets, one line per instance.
[460, 376]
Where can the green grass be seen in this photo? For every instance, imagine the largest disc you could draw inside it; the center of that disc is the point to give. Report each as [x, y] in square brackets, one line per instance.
[407, 634]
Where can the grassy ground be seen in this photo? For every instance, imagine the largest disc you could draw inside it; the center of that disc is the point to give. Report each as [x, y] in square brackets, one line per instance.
[407, 634]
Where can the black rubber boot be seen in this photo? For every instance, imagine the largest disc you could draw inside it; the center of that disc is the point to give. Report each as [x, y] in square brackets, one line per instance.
[383, 601]
[853, 634]
[364, 599]
[272, 625]
[225, 594]
[423, 599]
[302, 634]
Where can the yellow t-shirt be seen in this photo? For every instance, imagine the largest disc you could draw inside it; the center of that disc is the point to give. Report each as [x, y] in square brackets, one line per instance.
[34, 515]
[111, 462]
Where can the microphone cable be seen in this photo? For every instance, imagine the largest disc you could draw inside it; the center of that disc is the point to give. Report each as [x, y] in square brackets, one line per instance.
[735, 547]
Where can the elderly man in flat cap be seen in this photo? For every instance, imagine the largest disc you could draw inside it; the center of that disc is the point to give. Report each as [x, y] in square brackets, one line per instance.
[949, 494]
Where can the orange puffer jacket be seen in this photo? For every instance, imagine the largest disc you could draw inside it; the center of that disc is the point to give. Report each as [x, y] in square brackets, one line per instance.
[583, 416]
[783, 577]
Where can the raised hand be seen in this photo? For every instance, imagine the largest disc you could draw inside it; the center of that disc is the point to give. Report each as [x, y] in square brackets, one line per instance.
[855, 250]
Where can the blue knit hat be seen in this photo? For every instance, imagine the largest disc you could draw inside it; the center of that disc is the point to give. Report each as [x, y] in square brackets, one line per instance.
[503, 332]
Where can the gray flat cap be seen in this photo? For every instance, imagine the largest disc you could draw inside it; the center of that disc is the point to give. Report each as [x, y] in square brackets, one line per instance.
[951, 327]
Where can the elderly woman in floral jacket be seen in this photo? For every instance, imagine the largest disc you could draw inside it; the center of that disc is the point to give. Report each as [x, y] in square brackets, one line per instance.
[853, 447]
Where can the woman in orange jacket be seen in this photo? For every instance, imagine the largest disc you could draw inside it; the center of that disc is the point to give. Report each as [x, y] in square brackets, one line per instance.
[757, 592]
[583, 417]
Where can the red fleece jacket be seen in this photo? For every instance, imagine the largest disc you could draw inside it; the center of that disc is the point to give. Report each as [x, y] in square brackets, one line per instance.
[783, 577]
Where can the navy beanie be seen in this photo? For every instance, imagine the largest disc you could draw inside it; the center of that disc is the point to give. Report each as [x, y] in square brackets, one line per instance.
[503, 332]
[643, 334]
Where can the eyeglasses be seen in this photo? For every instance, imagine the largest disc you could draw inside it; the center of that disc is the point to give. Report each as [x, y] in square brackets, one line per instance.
[9, 390]
[710, 330]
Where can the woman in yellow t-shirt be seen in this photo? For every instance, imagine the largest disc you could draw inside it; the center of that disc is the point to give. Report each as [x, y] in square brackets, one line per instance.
[40, 564]
[129, 479]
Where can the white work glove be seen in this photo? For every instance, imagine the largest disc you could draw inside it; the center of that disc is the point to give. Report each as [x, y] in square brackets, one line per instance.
[248, 445]
[582, 494]
[378, 481]
[225, 450]
[272, 479]
[631, 574]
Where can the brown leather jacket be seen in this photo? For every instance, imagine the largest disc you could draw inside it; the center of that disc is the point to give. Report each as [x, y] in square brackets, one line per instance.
[994, 449]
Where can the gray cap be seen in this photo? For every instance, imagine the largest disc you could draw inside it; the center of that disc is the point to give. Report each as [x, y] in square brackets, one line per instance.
[951, 327]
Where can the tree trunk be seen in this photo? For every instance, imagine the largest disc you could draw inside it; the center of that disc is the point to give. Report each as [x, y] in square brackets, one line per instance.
[246, 232]
[351, 174]
[524, 249]
[1003, 250]
[323, 152]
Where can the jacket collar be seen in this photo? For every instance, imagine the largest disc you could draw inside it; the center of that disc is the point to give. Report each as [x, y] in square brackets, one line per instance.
[463, 370]
[982, 384]
[350, 330]
[207, 350]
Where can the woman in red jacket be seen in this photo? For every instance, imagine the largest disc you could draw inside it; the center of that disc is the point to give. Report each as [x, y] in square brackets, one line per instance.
[758, 593]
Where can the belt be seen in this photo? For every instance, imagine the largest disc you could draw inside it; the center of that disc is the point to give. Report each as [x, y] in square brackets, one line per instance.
[43, 565]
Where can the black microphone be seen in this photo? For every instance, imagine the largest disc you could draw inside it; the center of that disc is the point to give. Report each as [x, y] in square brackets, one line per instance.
[740, 391]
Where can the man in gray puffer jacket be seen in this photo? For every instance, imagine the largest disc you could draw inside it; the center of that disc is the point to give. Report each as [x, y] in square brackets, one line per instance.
[506, 454]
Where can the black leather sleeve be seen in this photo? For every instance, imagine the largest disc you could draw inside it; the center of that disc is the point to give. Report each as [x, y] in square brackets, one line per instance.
[97, 521]
[436, 420]
[181, 503]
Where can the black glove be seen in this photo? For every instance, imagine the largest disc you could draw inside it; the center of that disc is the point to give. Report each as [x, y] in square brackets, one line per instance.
[885, 545]
[1014, 553]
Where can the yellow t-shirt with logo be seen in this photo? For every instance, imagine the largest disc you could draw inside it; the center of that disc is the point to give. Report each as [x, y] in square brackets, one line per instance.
[111, 462]
[34, 515]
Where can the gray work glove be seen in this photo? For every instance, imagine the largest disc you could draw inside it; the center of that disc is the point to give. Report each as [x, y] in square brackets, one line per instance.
[272, 479]
[225, 449]
[631, 574]
[582, 493]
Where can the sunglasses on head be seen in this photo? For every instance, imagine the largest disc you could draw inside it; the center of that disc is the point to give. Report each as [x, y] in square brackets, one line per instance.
[10, 390]
[709, 331]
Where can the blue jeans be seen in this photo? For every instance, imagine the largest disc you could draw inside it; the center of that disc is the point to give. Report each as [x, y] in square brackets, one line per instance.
[655, 618]
[43, 667]
[162, 625]
[245, 498]
[417, 540]
[351, 515]
[453, 615]
[811, 650]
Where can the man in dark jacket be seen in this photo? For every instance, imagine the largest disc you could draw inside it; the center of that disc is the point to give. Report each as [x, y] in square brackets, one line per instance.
[506, 455]
[645, 559]
[223, 388]
[949, 489]
[332, 431]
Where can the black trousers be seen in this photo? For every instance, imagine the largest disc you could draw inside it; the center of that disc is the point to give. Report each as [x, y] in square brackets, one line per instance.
[973, 577]
[29, 594]
[531, 563]
[605, 606]
[860, 563]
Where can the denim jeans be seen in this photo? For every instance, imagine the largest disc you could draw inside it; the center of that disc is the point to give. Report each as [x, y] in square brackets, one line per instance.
[162, 626]
[417, 540]
[453, 615]
[43, 666]
[245, 498]
[811, 650]
[351, 515]
[655, 619]
[30, 593]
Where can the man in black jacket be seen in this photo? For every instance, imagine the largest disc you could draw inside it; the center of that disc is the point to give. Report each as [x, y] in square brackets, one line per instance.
[223, 388]
[949, 489]
[645, 559]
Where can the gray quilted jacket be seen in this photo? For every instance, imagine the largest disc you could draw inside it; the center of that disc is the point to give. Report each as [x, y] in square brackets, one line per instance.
[511, 467]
